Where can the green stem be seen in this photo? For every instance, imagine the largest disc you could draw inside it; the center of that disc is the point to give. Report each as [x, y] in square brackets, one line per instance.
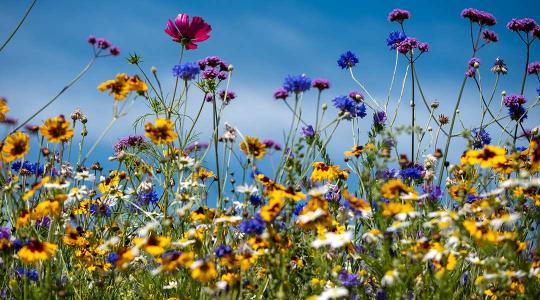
[18, 25]
[456, 108]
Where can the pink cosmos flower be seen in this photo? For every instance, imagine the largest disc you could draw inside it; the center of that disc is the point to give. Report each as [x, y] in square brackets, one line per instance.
[188, 33]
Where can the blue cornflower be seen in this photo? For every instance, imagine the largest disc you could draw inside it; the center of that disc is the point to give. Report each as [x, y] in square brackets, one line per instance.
[32, 274]
[255, 200]
[186, 71]
[480, 138]
[33, 168]
[112, 258]
[101, 209]
[253, 226]
[149, 197]
[296, 83]
[298, 207]
[347, 60]
[346, 105]
[517, 113]
[394, 38]
[223, 250]
[412, 173]
[473, 198]
[521, 148]
[538, 90]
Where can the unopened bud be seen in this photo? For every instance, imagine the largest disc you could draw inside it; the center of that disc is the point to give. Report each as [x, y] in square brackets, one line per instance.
[153, 69]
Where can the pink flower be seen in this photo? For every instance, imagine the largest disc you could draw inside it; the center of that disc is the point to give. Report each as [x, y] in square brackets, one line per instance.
[186, 33]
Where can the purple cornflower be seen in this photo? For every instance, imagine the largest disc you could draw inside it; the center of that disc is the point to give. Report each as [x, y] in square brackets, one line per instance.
[253, 226]
[213, 61]
[230, 96]
[103, 43]
[514, 100]
[272, 144]
[196, 146]
[394, 39]
[209, 98]
[308, 131]
[10, 120]
[347, 60]
[471, 72]
[433, 191]
[399, 15]
[525, 25]
[480, 138]
[321, 84]
[91, 40]
[536, 32]
[349, 279]
[533, 68]
[281, 94]
[296, 83]
[186, 71]
[127, 142]
[490, 36]
[379, 118]
[407, 45]
[423, 47]
[474, 62]
[210, 73]
[353, 109]
[115, 51]
[222, 75]
[477, 16]
[356, 96]
[5, 233]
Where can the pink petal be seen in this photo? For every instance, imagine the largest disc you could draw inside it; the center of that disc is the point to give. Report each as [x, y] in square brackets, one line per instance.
[182, 24]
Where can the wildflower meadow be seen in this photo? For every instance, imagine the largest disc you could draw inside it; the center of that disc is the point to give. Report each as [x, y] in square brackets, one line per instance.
[418, 205]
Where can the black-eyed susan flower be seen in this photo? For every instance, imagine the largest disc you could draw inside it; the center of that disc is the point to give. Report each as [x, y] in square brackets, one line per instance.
[56, 129]
[253, 147]
[122, 85]
[15, 146]
[357, 150]
[153, 245]
[394, 188]
[322, 172]
[173, 260]
[135, 84]
[203, 270]
[49, 207]
[162, 132]
[76, 237]
[36, 251]
[358, 205]
[487, 157]
[271, 210]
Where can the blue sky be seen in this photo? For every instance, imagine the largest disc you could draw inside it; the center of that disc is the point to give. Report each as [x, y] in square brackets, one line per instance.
[264, 40]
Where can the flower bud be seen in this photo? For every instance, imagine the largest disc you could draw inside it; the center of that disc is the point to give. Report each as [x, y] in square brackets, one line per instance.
[153, 69]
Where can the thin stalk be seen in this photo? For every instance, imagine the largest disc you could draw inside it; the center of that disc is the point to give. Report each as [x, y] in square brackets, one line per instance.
[18, 25]
[456, 108]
